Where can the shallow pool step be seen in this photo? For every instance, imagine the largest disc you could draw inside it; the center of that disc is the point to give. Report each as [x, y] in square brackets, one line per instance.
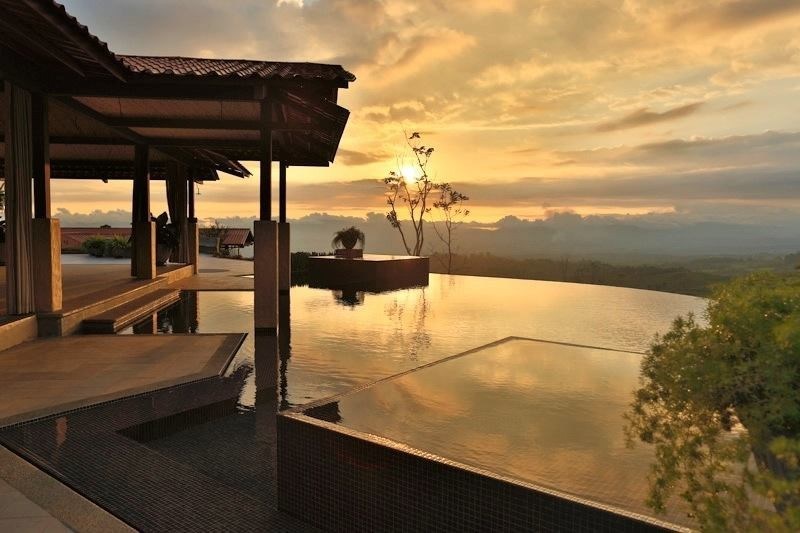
[130, 312]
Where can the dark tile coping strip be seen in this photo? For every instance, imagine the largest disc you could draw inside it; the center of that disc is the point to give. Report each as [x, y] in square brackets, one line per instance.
[224, 354]
[358, 388]
[57, 498]
[415, 452]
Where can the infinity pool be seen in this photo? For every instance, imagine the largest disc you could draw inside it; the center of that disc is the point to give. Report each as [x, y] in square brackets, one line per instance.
[339, 340]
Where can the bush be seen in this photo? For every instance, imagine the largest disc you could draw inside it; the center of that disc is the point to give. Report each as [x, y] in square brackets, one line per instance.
[715, 398]
[95, 246]
[118, 247]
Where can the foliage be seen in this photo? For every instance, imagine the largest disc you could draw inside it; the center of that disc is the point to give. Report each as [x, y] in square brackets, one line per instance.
[658, 278]
[115, 246]
[348, 238]
[715, 398]
[451, 205]
[3, 196]
[218, 231]
[95, 246]
[118, 247]
[413, 193]
[166, 231]
[2, 231]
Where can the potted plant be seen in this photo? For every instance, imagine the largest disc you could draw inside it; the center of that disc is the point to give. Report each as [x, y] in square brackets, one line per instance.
[2, 242]
[166, 238]
[347, 238]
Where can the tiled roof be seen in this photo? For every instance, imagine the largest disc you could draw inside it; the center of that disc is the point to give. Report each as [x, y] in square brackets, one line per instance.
[233, 68]
[230, 236]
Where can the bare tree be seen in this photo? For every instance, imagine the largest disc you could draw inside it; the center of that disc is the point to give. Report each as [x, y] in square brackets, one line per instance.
[451, 204]
[410, 195]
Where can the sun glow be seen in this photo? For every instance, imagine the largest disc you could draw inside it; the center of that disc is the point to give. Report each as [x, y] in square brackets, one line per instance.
[410, 173]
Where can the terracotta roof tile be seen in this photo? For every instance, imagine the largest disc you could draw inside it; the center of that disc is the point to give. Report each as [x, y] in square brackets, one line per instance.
[233, 68]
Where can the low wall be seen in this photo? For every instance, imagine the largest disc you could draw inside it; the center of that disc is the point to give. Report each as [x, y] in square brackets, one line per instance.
[343, 480]
[370, 273]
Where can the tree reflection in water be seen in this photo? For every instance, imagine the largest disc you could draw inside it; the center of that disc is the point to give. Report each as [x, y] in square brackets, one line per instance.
[721, 405]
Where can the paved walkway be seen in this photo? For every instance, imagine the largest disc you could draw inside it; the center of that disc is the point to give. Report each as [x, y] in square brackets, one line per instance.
[48, 376]
[19, 514]
[218, 274]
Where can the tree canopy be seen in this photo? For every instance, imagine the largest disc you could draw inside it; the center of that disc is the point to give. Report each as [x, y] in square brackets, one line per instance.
[721, 404]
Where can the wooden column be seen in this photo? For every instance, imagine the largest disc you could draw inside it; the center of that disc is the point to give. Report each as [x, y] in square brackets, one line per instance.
[193, 236]
[143, 261]
[284, 237]
[265, 264]
[18, 174]
[46, 231]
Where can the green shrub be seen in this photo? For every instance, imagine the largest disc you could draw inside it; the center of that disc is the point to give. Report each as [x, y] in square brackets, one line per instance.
[96, 246]
[118, 247]
[718, 397]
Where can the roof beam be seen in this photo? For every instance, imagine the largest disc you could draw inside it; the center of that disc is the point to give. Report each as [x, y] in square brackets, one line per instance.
[70, 31]
[10, 25]
[205, 124]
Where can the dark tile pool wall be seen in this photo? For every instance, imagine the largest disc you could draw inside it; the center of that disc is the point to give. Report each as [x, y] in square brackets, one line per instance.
[342, 482]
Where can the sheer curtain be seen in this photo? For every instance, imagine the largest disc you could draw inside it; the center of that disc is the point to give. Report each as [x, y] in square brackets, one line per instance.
[19, 197]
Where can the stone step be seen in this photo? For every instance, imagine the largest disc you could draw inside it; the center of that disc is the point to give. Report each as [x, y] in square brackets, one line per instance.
[128, 313]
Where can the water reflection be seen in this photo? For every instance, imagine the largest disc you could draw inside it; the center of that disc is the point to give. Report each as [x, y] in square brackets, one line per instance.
[349, 297]
[562, 413]
[330, 347]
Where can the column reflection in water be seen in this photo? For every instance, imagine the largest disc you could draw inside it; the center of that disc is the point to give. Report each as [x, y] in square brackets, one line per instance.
[284, 345]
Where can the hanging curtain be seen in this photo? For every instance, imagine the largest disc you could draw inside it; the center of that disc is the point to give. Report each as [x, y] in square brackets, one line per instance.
[176, 203]
[19, 198]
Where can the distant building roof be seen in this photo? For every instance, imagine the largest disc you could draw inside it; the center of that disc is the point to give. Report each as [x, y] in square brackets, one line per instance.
[73, 238]
[231, 237]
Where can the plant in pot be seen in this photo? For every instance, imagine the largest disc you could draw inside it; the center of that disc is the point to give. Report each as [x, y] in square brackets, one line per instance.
[166, 238]
[347, 238]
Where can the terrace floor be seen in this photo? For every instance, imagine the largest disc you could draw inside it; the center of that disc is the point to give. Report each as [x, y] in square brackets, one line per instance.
[83, 284]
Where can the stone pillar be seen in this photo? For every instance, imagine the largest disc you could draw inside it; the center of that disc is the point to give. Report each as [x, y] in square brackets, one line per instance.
[47, 281]
[265, 269]
[284, 258]
[145, 249]
[193, 245]
[47, 264]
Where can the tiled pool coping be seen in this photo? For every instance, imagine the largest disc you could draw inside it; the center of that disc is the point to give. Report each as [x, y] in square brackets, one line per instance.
[337, 477]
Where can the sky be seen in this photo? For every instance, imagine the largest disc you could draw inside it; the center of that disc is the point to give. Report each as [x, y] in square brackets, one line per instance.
[596, 107]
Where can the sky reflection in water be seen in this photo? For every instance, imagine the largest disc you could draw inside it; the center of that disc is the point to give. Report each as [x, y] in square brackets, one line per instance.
[545, 413]
[340, 340]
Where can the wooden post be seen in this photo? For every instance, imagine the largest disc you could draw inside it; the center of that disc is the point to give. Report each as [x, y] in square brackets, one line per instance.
[284, 238]
[193, 240]
[46, 231]
[143, 260]
[265, 249]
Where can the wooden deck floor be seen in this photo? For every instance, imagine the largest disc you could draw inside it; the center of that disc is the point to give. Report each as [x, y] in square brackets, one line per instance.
[48, 376]
[83, 284]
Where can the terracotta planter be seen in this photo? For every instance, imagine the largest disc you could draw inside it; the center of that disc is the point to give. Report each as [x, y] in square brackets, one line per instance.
[349, 253]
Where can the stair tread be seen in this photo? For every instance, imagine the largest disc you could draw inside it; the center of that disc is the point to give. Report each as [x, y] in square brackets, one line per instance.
[124, 310]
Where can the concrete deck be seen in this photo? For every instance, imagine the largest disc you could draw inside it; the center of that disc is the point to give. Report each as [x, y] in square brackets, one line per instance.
[49, 376]
[219, 274]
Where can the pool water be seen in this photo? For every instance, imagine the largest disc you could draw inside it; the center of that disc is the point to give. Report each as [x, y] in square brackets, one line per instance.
[544, 413]
[337, 340]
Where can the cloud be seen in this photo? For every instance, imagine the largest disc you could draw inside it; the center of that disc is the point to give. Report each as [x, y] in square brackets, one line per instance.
[354, 158]
[644, 117]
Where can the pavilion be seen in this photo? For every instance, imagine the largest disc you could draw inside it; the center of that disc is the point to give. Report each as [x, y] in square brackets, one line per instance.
[73, 109]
